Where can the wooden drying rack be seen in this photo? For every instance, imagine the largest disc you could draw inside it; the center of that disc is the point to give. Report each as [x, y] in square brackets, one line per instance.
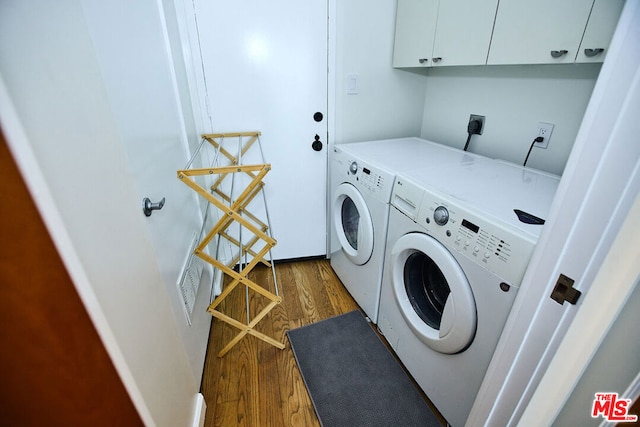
[235, 211]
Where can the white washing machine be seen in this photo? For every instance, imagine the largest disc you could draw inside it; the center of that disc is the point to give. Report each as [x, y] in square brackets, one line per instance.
[455, 256]
[361, 180]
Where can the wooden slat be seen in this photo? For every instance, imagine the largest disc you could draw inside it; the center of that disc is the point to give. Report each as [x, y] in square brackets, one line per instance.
[221, 170]
[246, 329]
[231, 134]
[247, 248]
[228, 211]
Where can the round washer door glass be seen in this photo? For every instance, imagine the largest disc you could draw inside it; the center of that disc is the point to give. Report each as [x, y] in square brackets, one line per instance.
[433, 293]
[353, 224]
[426, 287]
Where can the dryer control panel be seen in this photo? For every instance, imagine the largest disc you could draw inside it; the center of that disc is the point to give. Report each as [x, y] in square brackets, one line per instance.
[497, 247]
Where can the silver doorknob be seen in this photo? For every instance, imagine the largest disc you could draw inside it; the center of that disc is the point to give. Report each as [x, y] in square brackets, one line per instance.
[148, 206]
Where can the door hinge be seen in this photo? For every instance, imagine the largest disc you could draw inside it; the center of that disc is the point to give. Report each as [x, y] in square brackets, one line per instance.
[564, 291]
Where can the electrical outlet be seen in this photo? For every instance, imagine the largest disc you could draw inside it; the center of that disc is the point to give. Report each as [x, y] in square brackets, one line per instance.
[478, 118]
[544, 130]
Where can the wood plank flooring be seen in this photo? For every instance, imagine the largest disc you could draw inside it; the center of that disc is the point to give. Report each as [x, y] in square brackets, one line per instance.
[256, 384]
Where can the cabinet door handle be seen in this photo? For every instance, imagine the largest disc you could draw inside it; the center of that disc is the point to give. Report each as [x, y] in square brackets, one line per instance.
[558, 53]
[437, 59]
[423, 60]
[593, 52]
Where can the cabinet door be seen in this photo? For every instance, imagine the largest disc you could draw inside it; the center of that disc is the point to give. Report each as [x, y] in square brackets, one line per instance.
[602, 23]
[527, 32]
[415, 29]
[463, 32]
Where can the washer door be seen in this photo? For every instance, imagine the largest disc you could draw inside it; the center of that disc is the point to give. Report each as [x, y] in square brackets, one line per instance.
[353, 223]
[433, 293]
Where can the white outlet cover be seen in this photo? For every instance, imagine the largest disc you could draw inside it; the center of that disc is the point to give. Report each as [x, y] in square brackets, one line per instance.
[545, 130]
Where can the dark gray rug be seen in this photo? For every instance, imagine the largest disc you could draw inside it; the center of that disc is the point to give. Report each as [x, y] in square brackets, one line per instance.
[352, 377]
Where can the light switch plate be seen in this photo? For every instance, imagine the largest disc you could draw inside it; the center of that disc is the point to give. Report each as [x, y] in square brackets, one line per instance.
[353, 82]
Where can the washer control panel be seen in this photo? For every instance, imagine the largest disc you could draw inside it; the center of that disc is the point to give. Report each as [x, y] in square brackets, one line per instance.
[495, 246]
[375, 182]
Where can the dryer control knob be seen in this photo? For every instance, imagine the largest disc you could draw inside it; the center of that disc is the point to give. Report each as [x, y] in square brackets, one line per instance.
[441, 215]
[353, 168]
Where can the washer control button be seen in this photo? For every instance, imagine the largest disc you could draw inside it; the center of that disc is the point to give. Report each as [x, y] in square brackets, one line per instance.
[487, 255]
[353, 168]
[441, 215]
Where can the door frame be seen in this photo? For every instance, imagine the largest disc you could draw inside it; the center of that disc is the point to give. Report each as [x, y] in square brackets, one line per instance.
[69, 331]
[192, 58]
[332, 31]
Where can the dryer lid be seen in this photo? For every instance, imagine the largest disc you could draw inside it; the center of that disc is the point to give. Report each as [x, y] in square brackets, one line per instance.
[433, 293]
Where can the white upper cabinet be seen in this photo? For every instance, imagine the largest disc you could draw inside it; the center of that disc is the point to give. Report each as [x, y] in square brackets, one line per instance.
[597, 36]
[551, 31]
[415, 31]
[476, 32]
[463, 32]
[538, 32]
[437, 33]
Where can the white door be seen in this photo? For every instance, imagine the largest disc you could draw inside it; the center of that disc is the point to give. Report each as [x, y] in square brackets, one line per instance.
[137, 72]
[265, 66]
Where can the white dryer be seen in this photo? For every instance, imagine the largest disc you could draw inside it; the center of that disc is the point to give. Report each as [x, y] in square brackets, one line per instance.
[359, 213]
[455, 257]
[361, 180]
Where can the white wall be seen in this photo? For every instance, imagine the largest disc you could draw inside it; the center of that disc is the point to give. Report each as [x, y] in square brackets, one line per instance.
[390, 102]
[435, 103]
[513, 99]
[49, 67]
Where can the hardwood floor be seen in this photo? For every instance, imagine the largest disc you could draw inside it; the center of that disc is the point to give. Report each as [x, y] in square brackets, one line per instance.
[256, 384]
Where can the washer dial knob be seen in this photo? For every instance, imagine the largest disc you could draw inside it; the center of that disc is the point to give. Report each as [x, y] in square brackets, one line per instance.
[353, 168]
[441, 215]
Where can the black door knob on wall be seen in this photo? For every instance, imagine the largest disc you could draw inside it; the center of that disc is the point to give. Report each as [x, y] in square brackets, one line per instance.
[317, 144]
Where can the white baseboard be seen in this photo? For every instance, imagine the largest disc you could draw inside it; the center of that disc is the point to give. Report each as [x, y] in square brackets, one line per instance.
[199, 410]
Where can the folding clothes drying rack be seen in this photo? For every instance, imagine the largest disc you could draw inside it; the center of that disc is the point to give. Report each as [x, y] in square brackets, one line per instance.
[235, 215]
